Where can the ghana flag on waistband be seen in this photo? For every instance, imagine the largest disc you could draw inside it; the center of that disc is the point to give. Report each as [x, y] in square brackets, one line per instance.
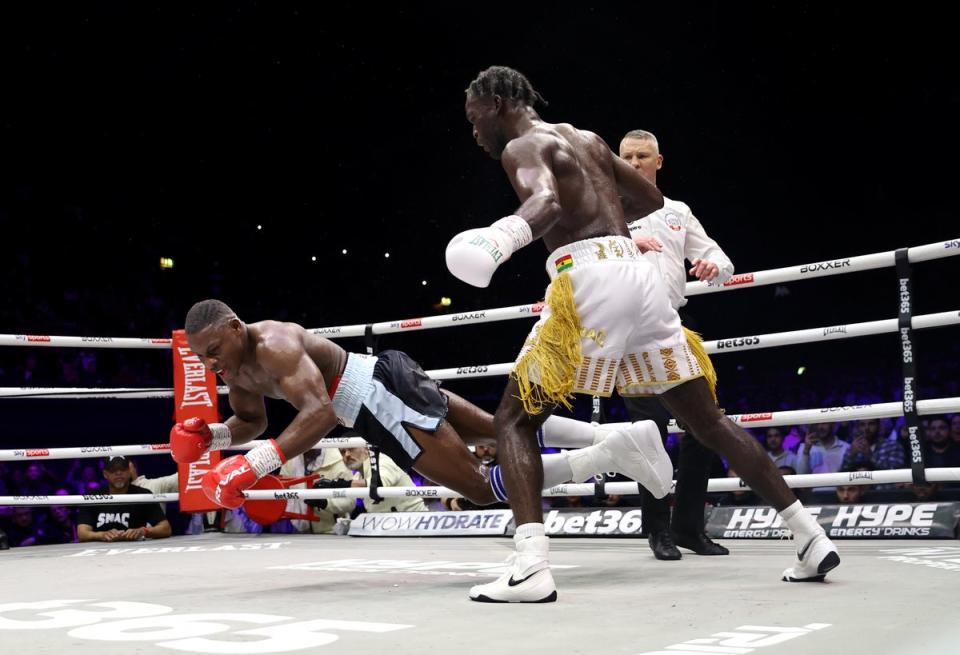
[564, 263]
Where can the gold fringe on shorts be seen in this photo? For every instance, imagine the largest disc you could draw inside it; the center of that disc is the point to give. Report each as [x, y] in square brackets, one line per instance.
[555, 355]
[695, 342]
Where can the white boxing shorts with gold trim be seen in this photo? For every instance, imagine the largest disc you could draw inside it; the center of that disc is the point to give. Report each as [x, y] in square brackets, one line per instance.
[607, 322]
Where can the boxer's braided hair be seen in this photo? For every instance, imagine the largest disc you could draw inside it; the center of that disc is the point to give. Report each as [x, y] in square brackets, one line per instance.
[506, 83]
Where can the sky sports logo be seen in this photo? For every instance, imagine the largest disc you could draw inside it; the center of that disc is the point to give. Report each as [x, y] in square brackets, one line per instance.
[743, 278]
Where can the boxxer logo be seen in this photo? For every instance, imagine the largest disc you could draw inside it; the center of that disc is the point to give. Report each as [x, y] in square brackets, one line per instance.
[467, 317]
[825, 266]
[420, 492]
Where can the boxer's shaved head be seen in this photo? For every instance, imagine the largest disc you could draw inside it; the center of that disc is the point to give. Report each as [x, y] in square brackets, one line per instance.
[207, 313]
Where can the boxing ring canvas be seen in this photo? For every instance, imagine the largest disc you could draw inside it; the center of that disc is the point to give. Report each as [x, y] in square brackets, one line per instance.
[220, 593]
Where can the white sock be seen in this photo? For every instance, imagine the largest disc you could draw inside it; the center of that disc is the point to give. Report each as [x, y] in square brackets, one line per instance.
[560, 432]
[801, 522]
[556, 469]
[528, 530]
[533, 548]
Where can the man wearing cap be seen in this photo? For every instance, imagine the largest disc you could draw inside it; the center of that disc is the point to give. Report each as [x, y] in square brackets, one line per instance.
[121, 522]
[391, 475]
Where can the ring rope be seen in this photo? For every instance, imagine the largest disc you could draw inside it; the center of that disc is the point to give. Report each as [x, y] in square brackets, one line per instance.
[716, 346]
[762, 419]
[827, 268]
[715, 485]
[147, 449]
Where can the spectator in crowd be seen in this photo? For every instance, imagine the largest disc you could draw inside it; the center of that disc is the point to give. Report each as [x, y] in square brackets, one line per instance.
[822, 451]
[121, 522]
[37, 481]
[328, 464]
[17, 478]
[83, 477]
[794, 438]
[939, 448]
[955, 429]
[391, 475]
[851, 494]
[486, 453]
[23, 528]
[780, 456]
[854, 493]
[869, 448]
[59, 526]
[902, 435]
[165, 484]
[925, 493]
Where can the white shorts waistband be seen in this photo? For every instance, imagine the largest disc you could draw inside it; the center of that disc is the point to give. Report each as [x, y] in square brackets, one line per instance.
[355, 383]
[591, 251]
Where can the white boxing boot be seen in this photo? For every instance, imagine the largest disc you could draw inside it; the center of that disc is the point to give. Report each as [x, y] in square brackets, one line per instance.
[816, 554]
[637, 452]
[527, 579]
[816, 558]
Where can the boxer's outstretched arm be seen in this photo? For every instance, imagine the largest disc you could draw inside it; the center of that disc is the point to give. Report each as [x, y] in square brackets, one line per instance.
[474, 255]
[299, 381]
[249, 418]
[302, 384]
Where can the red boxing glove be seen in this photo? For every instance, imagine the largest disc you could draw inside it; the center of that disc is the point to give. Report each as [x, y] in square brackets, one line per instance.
[190, 440]
[225, 484]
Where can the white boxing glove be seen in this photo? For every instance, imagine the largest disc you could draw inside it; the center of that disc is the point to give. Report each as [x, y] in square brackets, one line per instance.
[473, 255]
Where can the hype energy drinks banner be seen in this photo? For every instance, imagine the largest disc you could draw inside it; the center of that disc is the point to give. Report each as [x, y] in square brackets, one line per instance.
[868, 521]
